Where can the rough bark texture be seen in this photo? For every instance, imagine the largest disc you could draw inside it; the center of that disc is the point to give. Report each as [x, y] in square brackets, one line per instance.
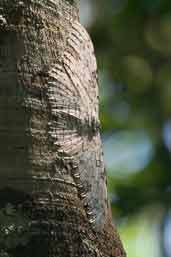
[53, 197]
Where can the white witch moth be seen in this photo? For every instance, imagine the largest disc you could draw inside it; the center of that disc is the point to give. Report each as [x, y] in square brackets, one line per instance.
[74, 130]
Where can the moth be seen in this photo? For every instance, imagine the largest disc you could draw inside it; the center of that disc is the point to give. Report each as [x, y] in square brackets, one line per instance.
[73, 97]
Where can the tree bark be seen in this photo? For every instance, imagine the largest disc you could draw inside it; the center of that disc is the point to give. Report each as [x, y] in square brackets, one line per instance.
[53, 196]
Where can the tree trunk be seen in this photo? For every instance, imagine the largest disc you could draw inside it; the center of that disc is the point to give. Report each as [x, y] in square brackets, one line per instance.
[53, 197]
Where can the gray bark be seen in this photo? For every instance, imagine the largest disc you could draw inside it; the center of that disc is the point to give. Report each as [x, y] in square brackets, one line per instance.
[53, 196]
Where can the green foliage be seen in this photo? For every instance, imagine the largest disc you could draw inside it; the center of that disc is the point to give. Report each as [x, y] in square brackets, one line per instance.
[133, 46]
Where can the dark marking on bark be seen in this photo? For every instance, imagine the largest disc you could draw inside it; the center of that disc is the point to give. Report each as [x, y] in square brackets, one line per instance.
[15, 197]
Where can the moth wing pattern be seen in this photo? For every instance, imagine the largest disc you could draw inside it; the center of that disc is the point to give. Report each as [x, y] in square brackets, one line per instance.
[73, 99]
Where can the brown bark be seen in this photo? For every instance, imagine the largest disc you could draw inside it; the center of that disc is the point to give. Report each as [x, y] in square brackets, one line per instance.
[53, 197]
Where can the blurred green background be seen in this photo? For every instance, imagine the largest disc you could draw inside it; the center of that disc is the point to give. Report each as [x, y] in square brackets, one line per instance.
[133, 46]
